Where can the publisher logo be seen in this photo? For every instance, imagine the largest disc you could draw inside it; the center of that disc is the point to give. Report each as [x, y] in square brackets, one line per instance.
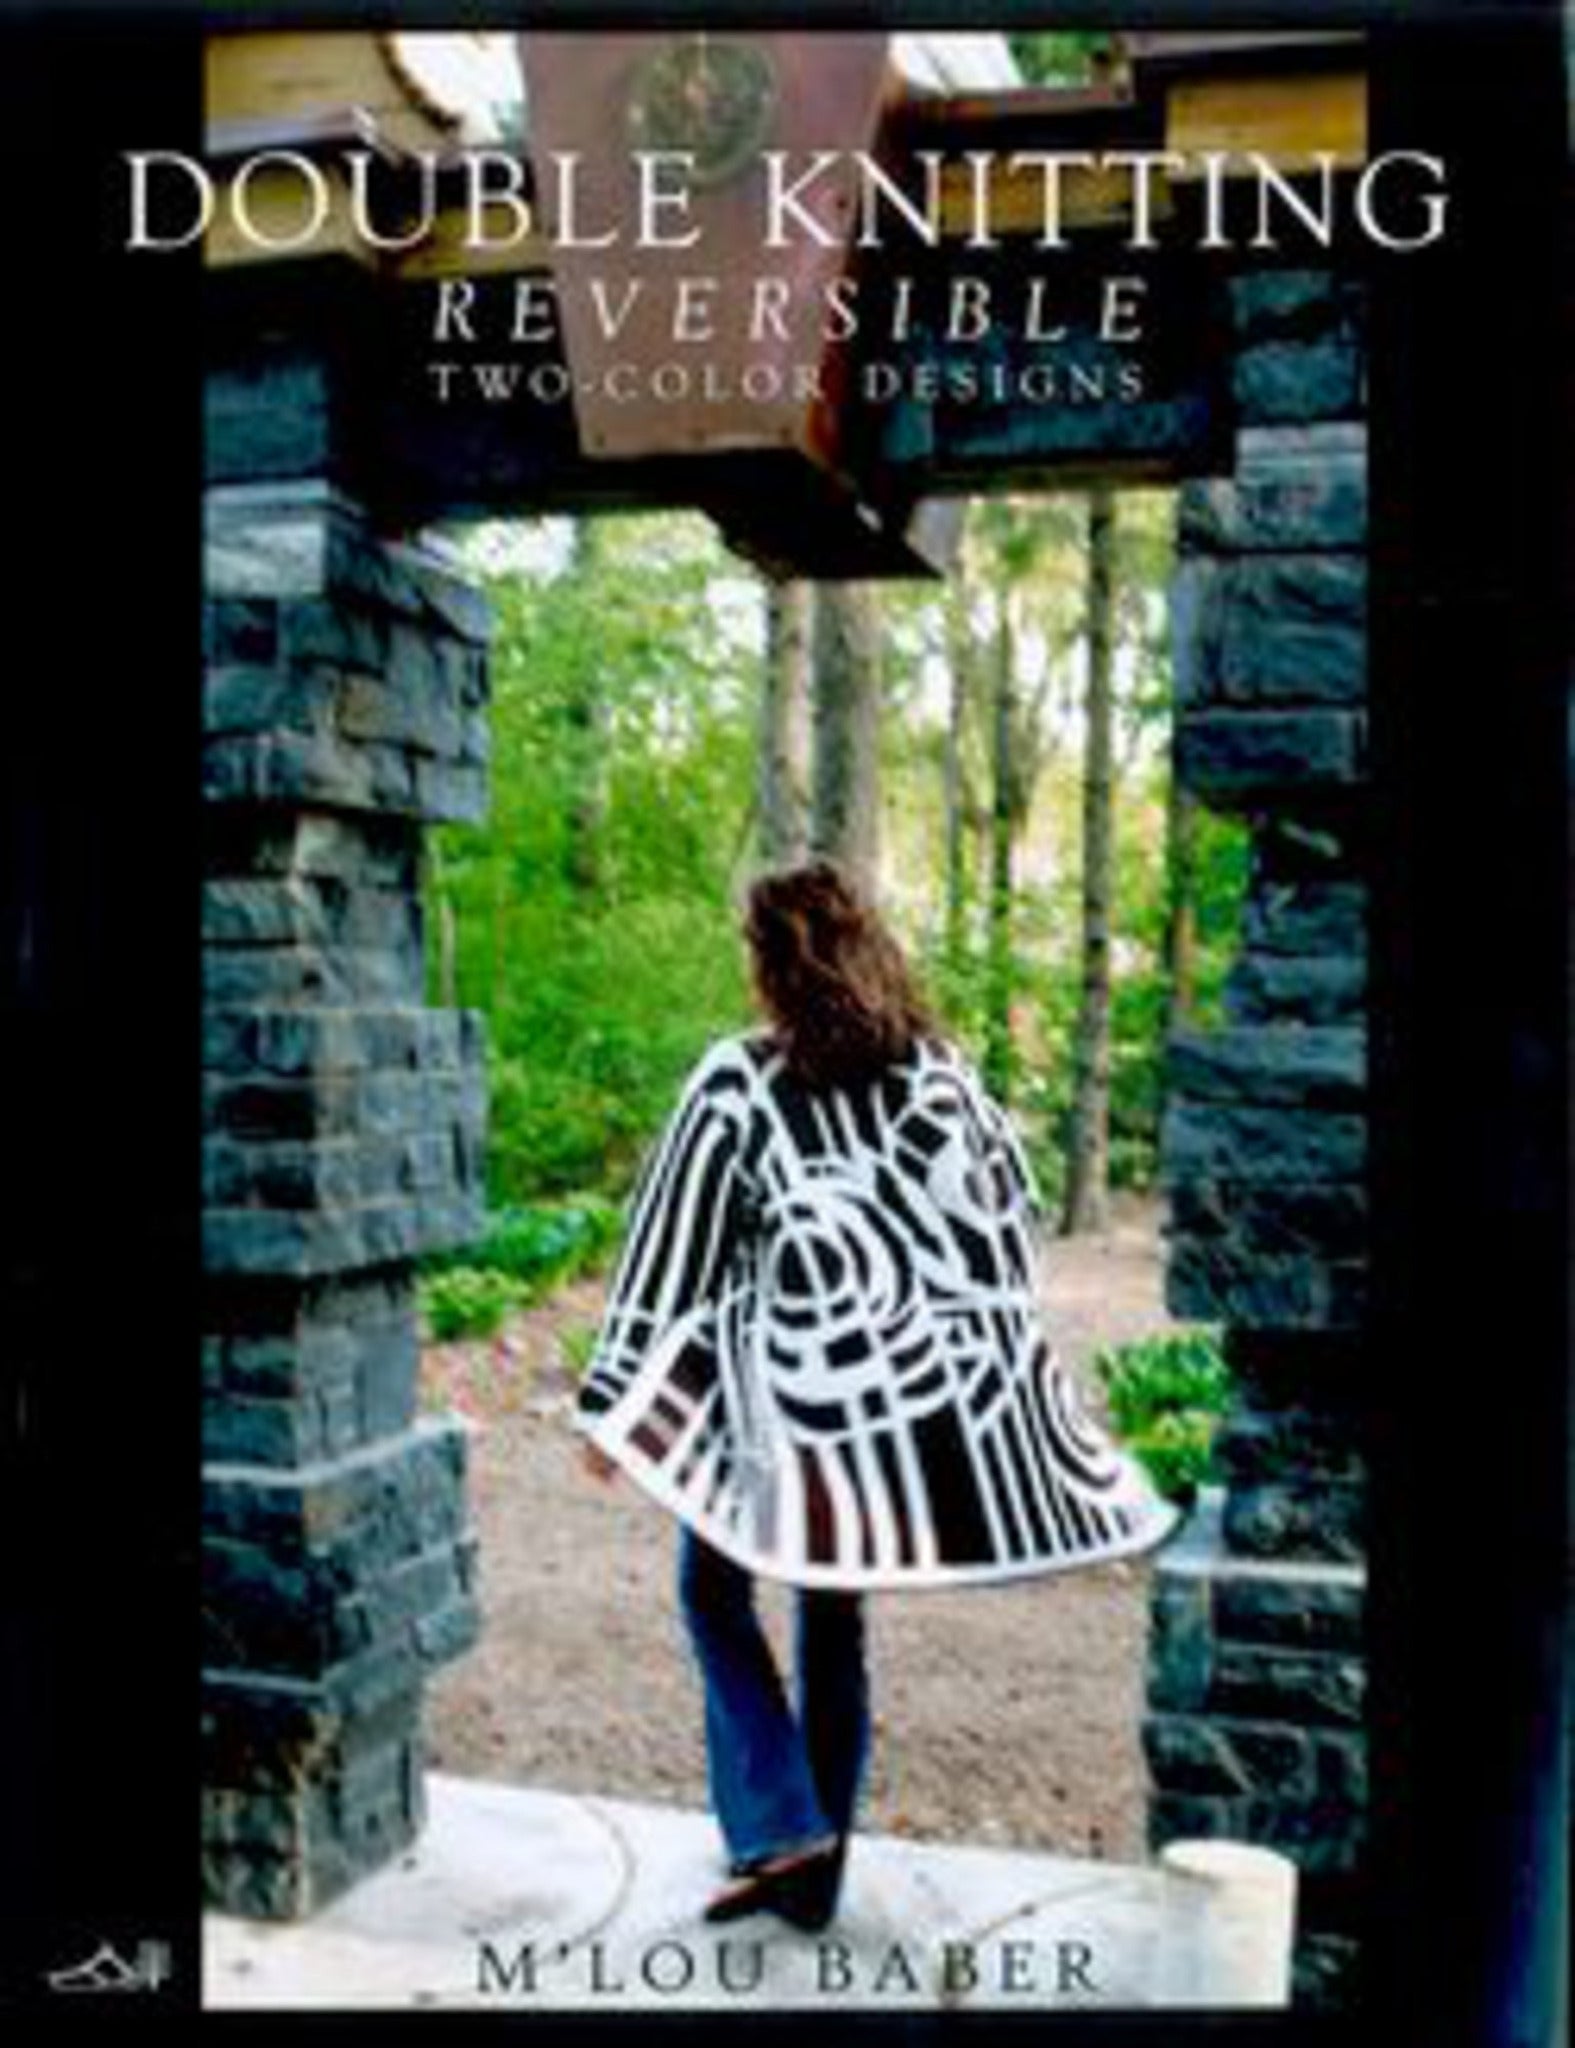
[107, 1970]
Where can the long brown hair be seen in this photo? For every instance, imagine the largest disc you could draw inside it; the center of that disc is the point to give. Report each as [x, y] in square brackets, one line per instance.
[833, 981]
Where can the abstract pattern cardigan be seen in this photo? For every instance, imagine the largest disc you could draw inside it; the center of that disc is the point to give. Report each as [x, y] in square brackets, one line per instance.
[823, 1346]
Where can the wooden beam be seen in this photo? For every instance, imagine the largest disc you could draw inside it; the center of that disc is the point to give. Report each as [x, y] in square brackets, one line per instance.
[315, 93]
[275, 208]
[1089, 199]
[295, 87]
[277, 203]
[1294, 121]
[444, 253]
[251, 75]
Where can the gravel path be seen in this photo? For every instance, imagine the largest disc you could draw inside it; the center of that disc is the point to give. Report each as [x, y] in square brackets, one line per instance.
[1003, 1715]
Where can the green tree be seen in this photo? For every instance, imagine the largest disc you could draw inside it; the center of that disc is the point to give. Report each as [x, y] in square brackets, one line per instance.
[963, 816]
[598, 995]
[1088, 1131]
[1028, 559]
[845, 820]
[786, 673]
[598, 998]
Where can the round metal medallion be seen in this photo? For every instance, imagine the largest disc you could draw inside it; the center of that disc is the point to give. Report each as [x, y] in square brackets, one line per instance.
[713, 99]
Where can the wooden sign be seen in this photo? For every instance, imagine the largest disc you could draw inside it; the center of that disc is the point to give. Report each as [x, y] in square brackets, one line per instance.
[693, 228]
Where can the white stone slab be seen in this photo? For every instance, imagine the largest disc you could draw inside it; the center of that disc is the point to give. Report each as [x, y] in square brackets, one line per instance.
[524, 1900]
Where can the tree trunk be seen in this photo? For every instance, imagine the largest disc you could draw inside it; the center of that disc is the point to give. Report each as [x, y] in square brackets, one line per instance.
[959, 662]
[784, 723]
[998, 1061]
[587, 734]
[845, 825]
[1181, 917]
[1087, 1204]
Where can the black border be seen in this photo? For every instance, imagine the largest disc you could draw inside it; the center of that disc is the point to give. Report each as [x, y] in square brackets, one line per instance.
[100, 1001]
[101, 1114]
[1471, 645]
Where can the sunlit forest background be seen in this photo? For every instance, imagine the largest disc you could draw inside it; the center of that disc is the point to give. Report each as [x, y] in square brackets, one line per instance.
[992, 751]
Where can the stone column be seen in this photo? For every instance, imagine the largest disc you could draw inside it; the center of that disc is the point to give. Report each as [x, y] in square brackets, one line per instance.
[1255, 1697]
[344, 710]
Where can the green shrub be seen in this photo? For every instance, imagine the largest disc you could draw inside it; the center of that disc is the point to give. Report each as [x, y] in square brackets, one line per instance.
[541, 1246]
[547, 1130]
[1179, 1370]
[525, 1252]
[1166, 1396]
[1178, 1450]
[466, 1301]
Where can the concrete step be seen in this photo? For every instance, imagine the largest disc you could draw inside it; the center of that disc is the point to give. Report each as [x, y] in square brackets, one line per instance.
[531, 1900]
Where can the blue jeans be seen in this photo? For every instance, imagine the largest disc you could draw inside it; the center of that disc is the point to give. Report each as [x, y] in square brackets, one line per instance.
[779, 1781]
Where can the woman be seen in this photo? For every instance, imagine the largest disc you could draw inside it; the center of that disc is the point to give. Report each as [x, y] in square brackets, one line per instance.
[823, 1352]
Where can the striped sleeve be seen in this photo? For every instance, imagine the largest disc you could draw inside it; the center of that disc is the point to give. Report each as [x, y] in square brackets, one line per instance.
[1001, 1125]
[684, 1221]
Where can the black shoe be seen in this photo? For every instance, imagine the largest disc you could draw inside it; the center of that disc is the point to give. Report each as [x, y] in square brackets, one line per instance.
[802, 1891]
[747, 1866]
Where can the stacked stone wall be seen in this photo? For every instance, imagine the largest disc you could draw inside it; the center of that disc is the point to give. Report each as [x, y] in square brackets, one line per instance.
[344, 711]
[1257, 1668]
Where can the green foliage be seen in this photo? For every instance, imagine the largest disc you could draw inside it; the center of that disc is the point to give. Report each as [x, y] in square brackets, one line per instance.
[539, 1246]
[622, 693]
[1137, 1020]
[1037, 552]
[624, 675]
[1219, 885]
[1182, 1369]
[1176, 1451]
[1061, 57]
[525, 1253]
[1166, 1396]
[466, 1301]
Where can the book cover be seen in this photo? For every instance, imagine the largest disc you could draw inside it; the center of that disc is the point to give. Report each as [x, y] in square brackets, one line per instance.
[491, 492]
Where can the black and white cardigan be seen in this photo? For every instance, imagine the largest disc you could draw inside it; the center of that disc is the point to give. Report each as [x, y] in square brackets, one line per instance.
[823, 1346]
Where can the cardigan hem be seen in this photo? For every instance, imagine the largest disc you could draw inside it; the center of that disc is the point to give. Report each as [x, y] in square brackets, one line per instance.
[1159, 1529]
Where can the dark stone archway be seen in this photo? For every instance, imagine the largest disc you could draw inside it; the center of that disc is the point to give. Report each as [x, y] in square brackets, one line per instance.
[345, 710]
